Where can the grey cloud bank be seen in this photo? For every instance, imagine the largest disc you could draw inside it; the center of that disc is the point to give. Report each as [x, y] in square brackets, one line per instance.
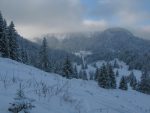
[36, 17]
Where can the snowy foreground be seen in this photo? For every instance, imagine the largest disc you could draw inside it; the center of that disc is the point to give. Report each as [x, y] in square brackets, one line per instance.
[54, 94]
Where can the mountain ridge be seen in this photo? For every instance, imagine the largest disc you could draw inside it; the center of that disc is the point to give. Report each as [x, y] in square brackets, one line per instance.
[107, 45]
[87, 40]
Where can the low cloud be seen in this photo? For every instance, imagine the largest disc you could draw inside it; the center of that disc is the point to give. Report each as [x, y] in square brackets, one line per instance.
[95, 24]
[144, 32]
[33, 17]
[36, 17]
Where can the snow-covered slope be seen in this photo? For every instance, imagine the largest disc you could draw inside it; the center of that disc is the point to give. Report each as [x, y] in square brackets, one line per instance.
[54, 94]
[123, 69]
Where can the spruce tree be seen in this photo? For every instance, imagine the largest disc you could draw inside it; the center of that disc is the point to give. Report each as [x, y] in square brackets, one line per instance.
[92, 75]
[13, 42]
[103, 78]
[123, 83]
[116, 65]
[97, 74]
[24, 56]
[144, 85]
[75, 72]
[133, 81]
[67, 68]
[117, 73]
[20, 92]
[21, 102]
[106, 77]
[83, 74]
[1, 33]
[84, 65]
[44, 63]
[112, 77]
[80, 74]
[4, 42]
[6, 49]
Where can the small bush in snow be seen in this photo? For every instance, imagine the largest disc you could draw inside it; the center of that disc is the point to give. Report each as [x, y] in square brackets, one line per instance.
[21, 102]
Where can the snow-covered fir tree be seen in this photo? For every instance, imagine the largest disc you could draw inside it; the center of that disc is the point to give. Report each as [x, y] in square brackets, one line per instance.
[84, 77]
[103, 78]
[112, 77]
[83, 74]
[123, 83]
[106, 77]
[75, 74]
[13, 42]
[84, 63]
[67, 68]
[144, 85]
[1, 33]
[116, 65]
[24, 56]
[92, 75]
[97, 74]
[117, 73]
[44, 63]
[4, 41]
[21, 102]
[133, 81]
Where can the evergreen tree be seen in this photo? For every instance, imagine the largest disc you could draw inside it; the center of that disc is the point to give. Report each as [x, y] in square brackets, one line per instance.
[103, 78]
[106, 77]
[1, 32]
[112, 77]
[20, 92]
[13, 42]
[44, 63]
[117, 73]
[133, 81]
[123, 83]
[92, 75]
[75, 72]
[94, 65]
[144, 85]
[84, 64]
[67, 68]
[97, 74]
[21, 103]
[24, 56]
[6, 49]
[57, 67]
[80, 74]
[116, 65]
[83, 74]
[4, 42]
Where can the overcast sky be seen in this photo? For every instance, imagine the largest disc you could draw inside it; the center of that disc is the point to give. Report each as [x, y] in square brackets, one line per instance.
[34, 18]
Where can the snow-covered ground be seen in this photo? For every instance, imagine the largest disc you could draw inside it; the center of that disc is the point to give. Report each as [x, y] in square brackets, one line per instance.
[54, 94]
[122, 70]
[83, 53]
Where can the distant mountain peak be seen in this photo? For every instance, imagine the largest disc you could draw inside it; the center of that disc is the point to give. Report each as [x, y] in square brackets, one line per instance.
[118, 30]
